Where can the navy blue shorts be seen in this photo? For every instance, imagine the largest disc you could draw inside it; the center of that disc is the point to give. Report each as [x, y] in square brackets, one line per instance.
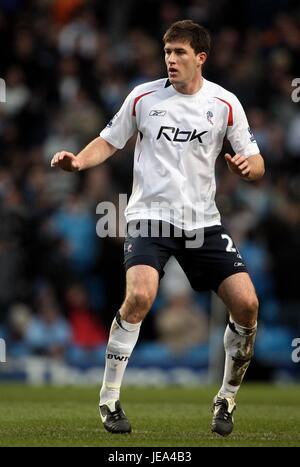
[205, 266]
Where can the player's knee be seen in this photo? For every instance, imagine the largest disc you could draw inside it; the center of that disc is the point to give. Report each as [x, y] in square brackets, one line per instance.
[252, 308]
[139, 301]
[248, 310]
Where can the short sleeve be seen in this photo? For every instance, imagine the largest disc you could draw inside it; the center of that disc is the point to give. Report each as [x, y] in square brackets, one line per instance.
[239, 133]
[122, 126]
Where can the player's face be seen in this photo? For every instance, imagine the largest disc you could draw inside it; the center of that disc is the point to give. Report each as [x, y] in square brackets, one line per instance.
[183, 64]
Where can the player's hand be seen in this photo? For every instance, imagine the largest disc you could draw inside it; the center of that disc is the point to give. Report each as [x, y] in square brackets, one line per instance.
[66, 161]
[238, 164]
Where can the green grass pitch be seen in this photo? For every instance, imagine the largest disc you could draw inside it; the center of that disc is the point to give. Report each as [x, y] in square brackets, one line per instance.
[161, 417]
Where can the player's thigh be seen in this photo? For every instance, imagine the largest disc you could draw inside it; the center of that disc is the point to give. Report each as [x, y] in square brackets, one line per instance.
[238, 293]
[147, 250]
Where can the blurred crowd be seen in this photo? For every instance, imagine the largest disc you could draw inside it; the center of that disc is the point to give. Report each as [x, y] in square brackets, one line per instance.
[67, 66]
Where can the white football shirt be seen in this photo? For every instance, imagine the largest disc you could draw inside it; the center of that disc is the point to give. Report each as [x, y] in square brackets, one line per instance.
[179, 139]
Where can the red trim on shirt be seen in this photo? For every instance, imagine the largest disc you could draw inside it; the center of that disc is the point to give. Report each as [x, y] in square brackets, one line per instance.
[230, 114]
[136, 101]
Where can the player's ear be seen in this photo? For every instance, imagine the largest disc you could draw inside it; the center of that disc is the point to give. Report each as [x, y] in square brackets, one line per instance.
[202, 56]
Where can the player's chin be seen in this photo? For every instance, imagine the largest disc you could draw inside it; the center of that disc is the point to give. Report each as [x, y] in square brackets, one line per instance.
[174, 78]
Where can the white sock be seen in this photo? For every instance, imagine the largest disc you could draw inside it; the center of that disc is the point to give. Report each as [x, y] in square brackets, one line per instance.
[238, 344]
[122, 339]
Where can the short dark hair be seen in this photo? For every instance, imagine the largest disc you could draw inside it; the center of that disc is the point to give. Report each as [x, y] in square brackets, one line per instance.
[188, 31]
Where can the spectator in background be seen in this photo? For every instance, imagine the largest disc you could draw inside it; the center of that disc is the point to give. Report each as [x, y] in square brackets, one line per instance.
[19, 317]
[181, 323]
[48, 333]
[75, 223]
[88, 333]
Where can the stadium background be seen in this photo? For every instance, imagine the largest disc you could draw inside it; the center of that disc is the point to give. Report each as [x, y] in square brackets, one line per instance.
[68, 66]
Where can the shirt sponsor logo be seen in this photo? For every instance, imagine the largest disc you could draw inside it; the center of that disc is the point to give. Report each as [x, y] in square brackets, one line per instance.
[175, 134]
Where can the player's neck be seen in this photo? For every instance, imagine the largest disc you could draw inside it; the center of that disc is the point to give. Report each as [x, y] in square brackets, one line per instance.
[191, 87]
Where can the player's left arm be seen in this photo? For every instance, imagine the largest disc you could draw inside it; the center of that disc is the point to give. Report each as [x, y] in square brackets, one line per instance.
[247, 161]
[249, 168]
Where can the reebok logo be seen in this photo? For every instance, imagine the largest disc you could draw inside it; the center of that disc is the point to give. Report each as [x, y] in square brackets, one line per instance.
[121, 358]
[157, 113]
[175, 134]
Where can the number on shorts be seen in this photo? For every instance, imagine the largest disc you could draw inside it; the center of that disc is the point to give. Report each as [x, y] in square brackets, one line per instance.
[229, 246]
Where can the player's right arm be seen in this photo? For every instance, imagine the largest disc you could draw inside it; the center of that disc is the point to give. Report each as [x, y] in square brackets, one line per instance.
[96, 152]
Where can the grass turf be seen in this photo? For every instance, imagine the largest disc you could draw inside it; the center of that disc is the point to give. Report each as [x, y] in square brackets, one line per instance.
[166, 417]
